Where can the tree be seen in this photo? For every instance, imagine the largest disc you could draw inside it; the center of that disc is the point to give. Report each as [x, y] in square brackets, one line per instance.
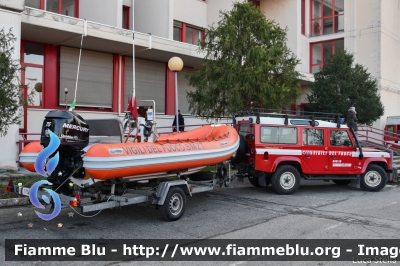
[341, 84]
[246, 64]
[9, 85]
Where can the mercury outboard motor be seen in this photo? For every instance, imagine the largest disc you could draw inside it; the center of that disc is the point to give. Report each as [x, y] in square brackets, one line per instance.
[73, 132]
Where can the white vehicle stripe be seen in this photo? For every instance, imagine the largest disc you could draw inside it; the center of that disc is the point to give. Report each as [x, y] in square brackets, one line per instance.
[279, 151]
[299, 152]
[372, 154]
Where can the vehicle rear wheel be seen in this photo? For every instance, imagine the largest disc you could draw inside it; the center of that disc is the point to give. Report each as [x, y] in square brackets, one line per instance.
[285, 180]
[174, 204]
[341, 182]
[374, 178]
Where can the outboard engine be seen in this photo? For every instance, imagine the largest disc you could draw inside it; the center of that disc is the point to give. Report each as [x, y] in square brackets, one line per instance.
[73, 133]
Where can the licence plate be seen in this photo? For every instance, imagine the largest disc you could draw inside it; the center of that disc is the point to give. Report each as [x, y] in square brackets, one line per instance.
[25, 191]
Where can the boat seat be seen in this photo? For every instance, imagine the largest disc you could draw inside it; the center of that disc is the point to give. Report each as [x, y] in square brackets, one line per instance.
[105, 130]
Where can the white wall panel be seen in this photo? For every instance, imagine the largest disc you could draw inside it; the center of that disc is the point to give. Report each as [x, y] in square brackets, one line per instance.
[153, 16]
[8, 143]
[102, 11]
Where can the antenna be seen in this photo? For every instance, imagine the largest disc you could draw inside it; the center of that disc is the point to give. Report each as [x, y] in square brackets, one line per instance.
[79, 63]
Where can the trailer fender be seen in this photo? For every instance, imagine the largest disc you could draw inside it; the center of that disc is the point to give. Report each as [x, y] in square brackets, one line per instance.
[163, 188]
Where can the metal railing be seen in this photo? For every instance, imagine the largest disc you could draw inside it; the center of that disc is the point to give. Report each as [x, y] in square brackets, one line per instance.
[25, 141]
[364, 134]
[378, 131]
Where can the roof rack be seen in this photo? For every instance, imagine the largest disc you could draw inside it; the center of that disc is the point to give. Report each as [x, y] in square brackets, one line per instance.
[260, 112]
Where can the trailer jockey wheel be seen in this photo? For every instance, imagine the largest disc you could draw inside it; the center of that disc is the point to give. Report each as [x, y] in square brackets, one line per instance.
[222, 176]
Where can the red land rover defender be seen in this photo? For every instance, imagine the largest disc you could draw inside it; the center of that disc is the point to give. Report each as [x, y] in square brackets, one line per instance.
[278, 149]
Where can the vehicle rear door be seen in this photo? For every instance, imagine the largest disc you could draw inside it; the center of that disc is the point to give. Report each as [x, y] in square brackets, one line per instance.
[246, 130]
[314, 151]
[340, 152]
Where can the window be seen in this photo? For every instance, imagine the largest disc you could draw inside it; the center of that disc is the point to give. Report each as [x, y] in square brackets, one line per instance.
[193, 35]
[32, 62]
[177, 31]
[303, 122]
[187, 33]
[313, 137]
[64, 7]
[321, 52]
[340, 138]
[327, 17]
[125, 17]
[255, 2]
[282, 135]
[390, 130]
[33, 3]
[244, 130]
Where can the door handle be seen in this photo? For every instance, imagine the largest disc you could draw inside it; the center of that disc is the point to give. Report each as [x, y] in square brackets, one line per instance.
[333, 156]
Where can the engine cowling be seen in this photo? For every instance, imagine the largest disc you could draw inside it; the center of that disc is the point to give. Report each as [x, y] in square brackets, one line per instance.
[70, 127]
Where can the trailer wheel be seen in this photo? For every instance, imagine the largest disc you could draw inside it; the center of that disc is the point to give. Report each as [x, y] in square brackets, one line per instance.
[341, 182]
[285, 180]
[174, 204]
[374, 178]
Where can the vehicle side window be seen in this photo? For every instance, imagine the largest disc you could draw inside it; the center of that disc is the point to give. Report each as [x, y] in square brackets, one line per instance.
[313, 137]
[282, 135]
[244, 130]
[340, 138]
[390, 130]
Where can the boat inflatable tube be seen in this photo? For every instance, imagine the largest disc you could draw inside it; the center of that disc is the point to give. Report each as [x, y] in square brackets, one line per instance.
[173, 152]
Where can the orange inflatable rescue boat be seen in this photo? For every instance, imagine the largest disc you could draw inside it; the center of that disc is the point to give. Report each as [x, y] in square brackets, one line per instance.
[181, 152]
[203, 146]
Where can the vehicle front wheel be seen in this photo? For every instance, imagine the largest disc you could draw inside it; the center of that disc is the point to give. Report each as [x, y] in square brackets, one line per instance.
[374, 178]
[285, 180]
[174, 204]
